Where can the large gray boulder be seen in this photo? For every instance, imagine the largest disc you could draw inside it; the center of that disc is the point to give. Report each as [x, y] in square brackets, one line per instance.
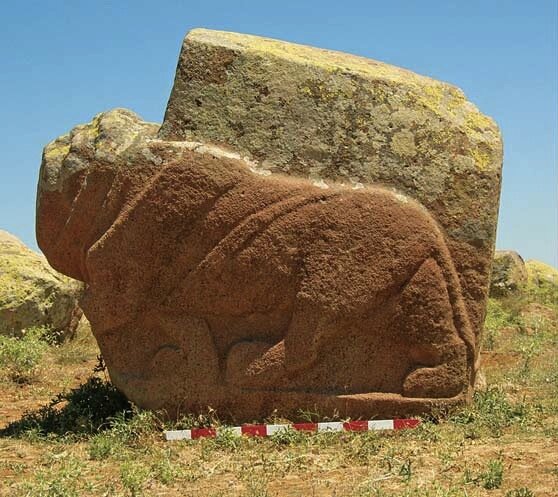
[33, 294]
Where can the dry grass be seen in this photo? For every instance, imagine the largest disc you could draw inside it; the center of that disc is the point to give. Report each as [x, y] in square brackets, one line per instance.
[506, 444]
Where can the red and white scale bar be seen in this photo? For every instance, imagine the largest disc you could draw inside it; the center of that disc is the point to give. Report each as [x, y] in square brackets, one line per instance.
[267, 430]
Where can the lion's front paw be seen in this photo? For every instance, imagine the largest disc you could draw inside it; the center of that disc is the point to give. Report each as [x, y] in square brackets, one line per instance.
[257, 365]
[437, 382]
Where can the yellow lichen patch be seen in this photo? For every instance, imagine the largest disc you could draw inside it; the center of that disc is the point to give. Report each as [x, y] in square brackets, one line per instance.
[403, 144]
[397, 85]
[481, 158]
[31, 292]
[475, 121]
[21, 270]
[90, 131]
[93, 129]
[321, 91]
[440, 98]
[56, 150]
[454, 99]
[432, 96]
[329, 60]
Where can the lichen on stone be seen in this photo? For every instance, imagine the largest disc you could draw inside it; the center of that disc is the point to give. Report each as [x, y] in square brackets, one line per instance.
[32, 293]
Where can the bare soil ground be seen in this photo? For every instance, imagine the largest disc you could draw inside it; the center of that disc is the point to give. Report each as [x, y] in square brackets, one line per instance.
[506, 444]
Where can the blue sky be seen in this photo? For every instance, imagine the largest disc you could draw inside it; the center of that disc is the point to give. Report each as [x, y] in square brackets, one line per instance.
[63, 62]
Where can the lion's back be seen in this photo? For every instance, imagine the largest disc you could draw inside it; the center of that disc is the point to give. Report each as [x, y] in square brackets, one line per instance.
[314, 237]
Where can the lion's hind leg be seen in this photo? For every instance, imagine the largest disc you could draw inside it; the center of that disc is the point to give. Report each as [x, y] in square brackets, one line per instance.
[282, 365]
[407, 343]
[424, 320]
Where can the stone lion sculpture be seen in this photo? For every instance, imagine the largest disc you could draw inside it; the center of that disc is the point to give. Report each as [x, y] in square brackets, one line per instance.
[211, 284]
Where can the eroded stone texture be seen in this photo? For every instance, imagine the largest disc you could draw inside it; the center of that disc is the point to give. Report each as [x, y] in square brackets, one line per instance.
[214, 279]
[32, 294]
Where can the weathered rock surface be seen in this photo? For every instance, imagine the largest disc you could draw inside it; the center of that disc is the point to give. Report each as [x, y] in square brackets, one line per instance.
[358, 284]
[509, 274]
[32, 293]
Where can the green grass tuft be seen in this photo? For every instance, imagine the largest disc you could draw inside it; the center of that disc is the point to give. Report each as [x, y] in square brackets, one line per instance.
[20, 357]
[491, 412]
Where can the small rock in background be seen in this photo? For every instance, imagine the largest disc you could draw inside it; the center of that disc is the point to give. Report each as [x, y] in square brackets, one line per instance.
[527, 289]
[542, 285]
[33, 294]
[509, 274]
